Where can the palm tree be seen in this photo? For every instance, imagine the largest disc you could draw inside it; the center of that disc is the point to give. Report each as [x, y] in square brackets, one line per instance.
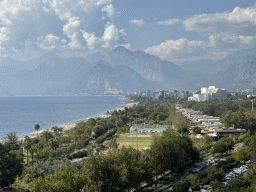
[37, 127]
[27, 145]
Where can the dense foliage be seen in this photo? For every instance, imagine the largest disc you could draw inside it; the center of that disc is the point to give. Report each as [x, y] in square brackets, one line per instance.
[116, 172]
[11, 164]
[128, 168]
[237, 113]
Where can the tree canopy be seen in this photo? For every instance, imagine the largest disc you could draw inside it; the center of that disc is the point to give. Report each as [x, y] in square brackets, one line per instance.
[10, 166]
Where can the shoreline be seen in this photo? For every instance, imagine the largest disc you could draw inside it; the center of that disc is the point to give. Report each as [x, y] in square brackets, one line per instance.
[66, 126]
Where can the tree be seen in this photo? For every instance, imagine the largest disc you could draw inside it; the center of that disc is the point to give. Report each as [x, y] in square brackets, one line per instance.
[12, 141]
[171, 151]
[45, 136]
[115, 172]
[206, 142]
[98, 130]
[225, 144]
[181, 186]
[37, 127]
[242, 154]
[66, 179]
[180, 123]
[215, 184]
[213, 173]
[113, 143]
[196, 130]
[10, 166]
[27, 145]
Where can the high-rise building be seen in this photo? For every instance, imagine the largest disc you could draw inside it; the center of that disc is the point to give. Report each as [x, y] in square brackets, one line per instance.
[254, 91]
[209, 93]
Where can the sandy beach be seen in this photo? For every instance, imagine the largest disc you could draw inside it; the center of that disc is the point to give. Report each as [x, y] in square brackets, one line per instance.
[127, 103]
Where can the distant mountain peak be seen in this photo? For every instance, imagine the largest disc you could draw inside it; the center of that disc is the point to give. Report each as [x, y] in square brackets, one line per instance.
[121, 49]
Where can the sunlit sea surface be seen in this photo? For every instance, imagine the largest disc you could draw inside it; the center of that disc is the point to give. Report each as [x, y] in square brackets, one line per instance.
[20, 114]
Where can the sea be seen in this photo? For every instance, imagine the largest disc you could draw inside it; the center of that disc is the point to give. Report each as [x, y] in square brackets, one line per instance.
[20, 114]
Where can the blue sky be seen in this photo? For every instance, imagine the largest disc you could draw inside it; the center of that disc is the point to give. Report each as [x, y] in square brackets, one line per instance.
[187, 30]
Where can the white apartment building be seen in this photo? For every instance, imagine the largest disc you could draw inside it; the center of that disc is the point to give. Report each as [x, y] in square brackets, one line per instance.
[209, 93]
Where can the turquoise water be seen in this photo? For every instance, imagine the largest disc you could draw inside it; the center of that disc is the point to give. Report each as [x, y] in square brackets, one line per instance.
[20, 114]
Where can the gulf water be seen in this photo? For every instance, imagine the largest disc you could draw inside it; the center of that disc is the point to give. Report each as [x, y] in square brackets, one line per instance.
[20, 114]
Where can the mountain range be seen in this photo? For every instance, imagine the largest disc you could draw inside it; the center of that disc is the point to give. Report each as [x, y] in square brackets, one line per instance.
[122, 71]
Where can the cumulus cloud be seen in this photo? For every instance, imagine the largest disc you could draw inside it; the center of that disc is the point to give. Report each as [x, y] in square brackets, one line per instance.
[51, 42]
[93, 42]
[4, 36]
[227, 32]
[109, 9]
[112, 36]
[77, 26]
[181, 48]
[73, 31]
[72, 26]
[140, 23]
[232, 41]
[102, 2]
[168, 22]
[235, 21]
[11, 10]
[4, 31]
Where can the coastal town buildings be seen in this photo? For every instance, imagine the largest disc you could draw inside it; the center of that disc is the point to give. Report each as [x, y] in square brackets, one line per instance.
[209, 93]
[206, 93]
[209, 125]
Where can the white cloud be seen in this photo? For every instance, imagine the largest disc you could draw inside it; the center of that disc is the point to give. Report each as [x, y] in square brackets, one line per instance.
[227, 31]
[168, 22]
[4, 31]
[102, 2]
[51, 42]
[4, 36]
[175, 49]
[109, 9]
[72, 26]
[92, 41]
[11, 10]
[235, 21]
[112, 36]
[232, 42]
[73, 31]
[140, 23]
[76, 25]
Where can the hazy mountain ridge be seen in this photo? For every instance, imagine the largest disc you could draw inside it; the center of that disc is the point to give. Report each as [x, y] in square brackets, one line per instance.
[164, 73]
[236, 76]
[121, 71]
[107, 80]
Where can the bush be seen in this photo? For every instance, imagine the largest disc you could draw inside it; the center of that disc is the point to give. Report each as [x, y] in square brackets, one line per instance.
[181, 186]
[195, 187]
[77, 154]
[125, 129]
[102, 138]
[215, 184]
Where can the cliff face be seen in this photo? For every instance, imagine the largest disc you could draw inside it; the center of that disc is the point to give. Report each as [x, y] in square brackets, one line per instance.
[236, 76]
[107, 80]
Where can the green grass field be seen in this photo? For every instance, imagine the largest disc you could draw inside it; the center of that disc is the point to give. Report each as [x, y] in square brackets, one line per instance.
[126, 139]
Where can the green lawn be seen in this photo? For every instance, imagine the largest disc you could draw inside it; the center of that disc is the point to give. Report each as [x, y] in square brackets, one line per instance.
[126, 139]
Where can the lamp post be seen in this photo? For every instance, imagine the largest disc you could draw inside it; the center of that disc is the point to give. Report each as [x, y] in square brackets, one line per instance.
[136, 133]
[252, 104]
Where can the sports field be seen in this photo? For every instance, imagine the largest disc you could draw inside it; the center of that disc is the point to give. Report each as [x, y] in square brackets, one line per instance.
[126, 139]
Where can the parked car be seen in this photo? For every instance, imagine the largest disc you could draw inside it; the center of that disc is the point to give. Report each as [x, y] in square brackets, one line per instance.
[196, 170]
